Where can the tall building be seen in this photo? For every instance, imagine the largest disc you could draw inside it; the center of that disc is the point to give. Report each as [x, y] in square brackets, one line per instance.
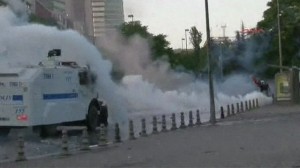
[96, 18]
[63, 12]
[30, 4]
[114, 13]
[41, 8]
[92, 18]
[103, 16]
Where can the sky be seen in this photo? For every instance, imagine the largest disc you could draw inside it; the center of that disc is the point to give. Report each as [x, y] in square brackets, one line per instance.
[172, 17]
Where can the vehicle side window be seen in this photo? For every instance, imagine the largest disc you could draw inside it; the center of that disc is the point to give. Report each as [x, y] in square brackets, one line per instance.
[93, 78]
[83, 78]
[87, 77]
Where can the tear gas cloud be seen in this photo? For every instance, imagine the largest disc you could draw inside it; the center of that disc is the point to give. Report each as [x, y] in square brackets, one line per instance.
[152, 87]
[252, 49]
[253, 52]
[139, 92]
[133, 57]
[28, 44]
[18, 8]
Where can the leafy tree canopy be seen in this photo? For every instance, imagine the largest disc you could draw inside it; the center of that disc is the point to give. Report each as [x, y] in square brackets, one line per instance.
[196, 39]
[2, 3]
[160, 47]
[129, 29]
[290, 33]
[158, 43]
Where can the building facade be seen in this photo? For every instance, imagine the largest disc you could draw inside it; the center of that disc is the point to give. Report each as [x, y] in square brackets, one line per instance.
[91, 18]
[103, 16]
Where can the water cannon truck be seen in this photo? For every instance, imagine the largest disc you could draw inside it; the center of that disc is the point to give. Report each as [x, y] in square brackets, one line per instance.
[49, 94]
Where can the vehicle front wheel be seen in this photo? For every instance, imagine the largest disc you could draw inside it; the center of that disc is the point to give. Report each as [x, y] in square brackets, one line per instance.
[92, 118]
[103, 115]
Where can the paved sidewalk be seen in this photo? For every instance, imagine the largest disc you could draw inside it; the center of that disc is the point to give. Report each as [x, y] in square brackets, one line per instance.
[266, 137]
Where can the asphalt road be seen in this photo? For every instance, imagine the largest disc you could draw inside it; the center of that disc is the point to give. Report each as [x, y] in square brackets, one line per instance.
[265, 137]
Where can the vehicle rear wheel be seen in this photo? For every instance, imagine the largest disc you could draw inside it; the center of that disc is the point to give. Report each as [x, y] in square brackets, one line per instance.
[4, 131]
[92, 118]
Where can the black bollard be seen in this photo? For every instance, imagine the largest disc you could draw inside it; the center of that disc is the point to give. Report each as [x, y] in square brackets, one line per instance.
[117, 134]
[102, 136]
[154, 131]
[253, 103]
[198, 119]
[164, 124]
[191, 122]
[257, 105]
[228, 110]
[232, 109]
[250, 106]
[143, 132]
[21, 152]
[64, 143]
[222, 113]
[131, 131]
[182, 122]
[237, 107]
[174, 126]
[246, 106]
[84, 140]
[242, 107]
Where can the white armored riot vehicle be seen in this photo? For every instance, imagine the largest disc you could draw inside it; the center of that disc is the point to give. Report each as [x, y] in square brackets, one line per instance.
[49, 94]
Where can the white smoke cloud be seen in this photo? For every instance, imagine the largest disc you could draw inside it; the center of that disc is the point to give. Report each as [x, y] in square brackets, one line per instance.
[138, 92]
[151, 87]
[28, 44]
[133, 57]
[238, 84]
[19, 8]
[254, 51]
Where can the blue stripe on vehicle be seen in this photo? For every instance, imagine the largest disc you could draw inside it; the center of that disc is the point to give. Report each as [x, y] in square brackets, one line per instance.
[17, 97]
[60, 96]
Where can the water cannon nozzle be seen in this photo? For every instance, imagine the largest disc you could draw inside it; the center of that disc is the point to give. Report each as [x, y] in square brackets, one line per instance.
[54, 52]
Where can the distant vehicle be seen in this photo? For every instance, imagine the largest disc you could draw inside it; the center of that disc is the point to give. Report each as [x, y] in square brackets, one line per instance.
[252, 31]
[49, 94]
[263, 85]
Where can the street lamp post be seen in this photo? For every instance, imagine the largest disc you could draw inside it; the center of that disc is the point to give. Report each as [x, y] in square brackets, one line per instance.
[279, 36]
[221, 59]
[221, 50]
[186, 30]
[131, 16]
[211, 87]
[182, 43]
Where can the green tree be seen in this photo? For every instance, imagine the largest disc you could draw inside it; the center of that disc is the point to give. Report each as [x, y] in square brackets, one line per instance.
[158, 43]
[129, 29]
[243, 35]
[2, 3]
[290, 33]
[237, 36]
[160, 46]
[195, 39]
[240, 41]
